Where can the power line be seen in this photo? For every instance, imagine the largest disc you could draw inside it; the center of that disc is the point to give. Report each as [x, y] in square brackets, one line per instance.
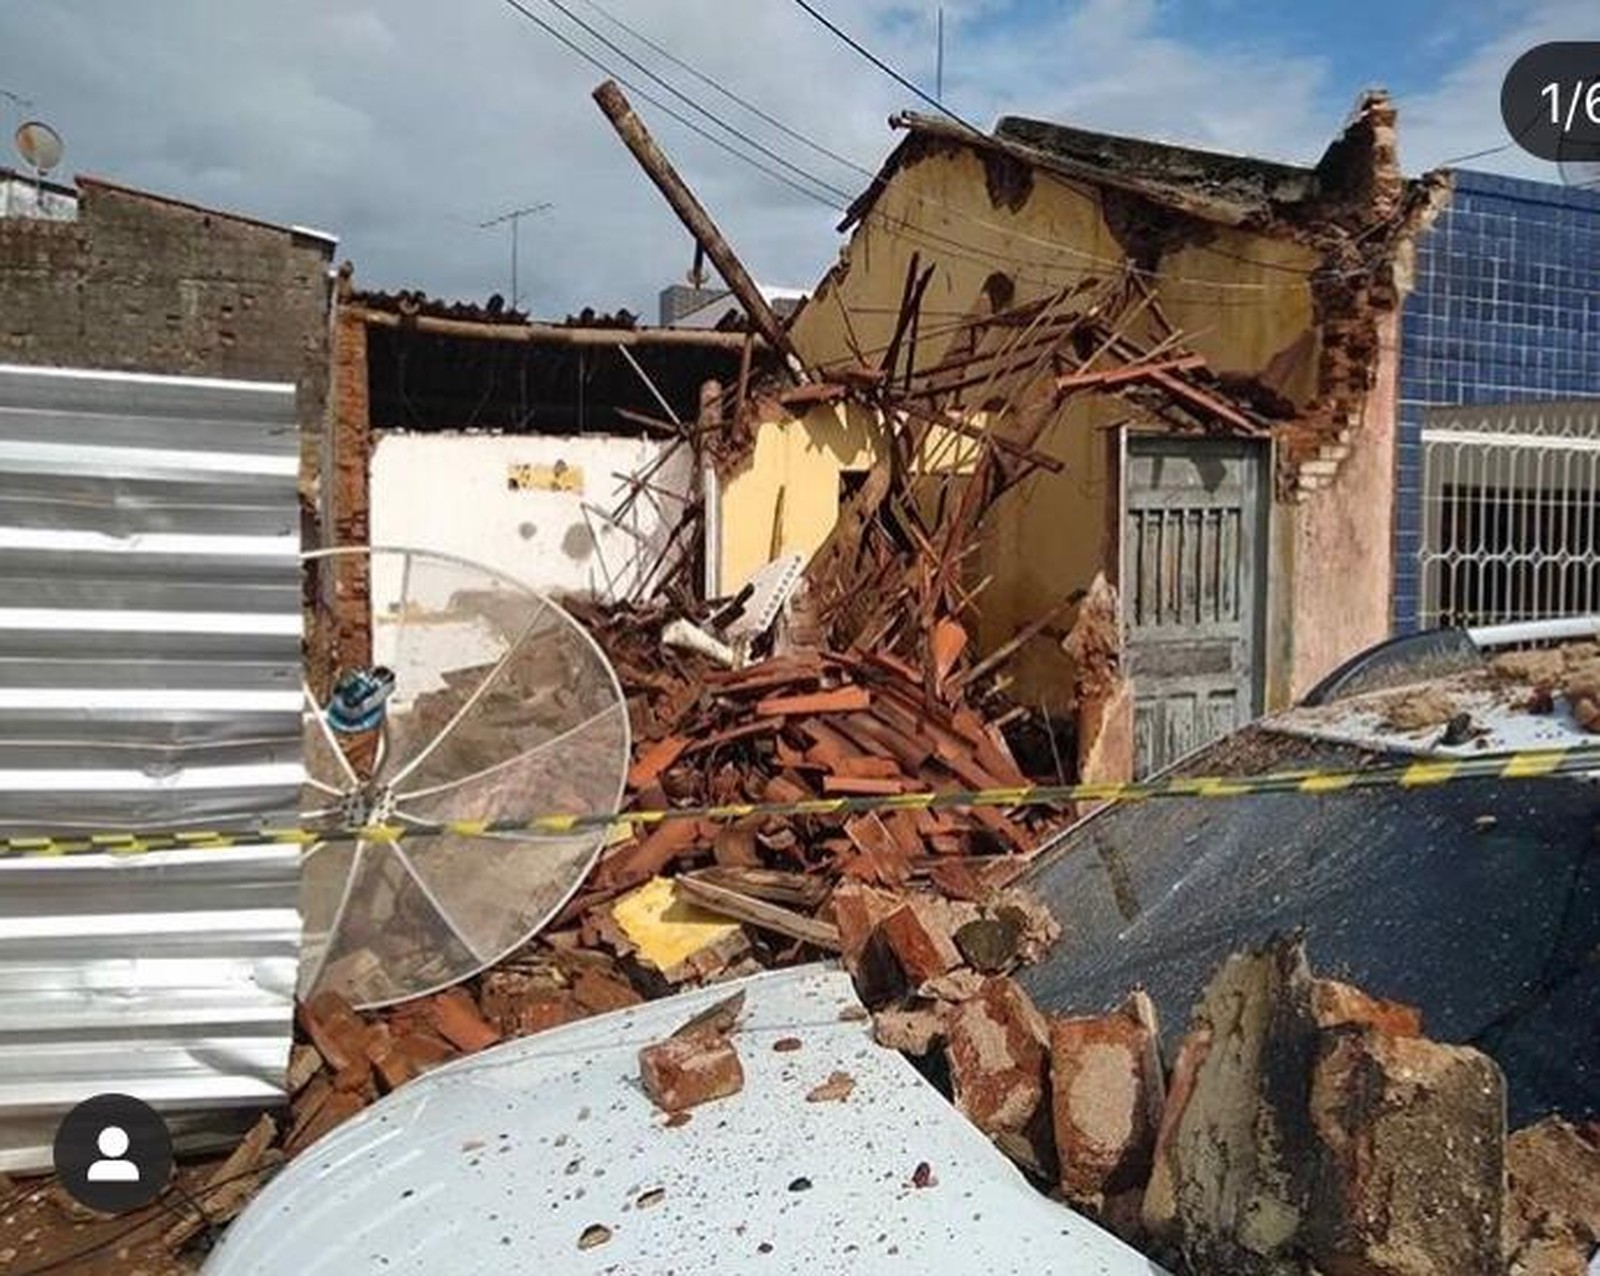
[883, 66]
[694, 105]
[904, 228]
[647, 96]
[1055, 178]
[728, 93]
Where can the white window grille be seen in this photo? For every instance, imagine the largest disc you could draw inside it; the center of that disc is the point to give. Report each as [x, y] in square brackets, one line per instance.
[1511, 512]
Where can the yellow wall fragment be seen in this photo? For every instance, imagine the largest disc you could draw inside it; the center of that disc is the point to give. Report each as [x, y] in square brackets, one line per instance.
[667, 930]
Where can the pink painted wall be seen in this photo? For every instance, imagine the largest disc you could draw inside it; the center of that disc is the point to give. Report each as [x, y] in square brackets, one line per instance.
[1342, 543]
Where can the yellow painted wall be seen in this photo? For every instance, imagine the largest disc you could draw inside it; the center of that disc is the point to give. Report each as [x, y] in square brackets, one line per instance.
[1045, 539]
[802, 459]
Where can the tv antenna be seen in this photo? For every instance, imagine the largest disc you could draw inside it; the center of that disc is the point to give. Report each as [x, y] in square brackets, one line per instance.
[515, 216]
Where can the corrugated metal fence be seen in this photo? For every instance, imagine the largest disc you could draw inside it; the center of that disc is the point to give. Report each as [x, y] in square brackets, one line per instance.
[150, 617]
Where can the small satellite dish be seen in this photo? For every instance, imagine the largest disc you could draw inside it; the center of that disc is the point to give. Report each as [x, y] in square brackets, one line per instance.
[39, 145]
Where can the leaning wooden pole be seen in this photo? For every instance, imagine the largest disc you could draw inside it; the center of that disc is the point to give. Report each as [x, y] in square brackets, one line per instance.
[630, 128]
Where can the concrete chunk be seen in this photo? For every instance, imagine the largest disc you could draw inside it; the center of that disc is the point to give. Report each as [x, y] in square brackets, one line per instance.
[1412, 1137]
[1106, 1100]
[1000, 1068]
[1552, 1221]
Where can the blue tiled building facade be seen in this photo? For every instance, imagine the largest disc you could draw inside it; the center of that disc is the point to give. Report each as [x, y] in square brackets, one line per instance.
[1506, 309]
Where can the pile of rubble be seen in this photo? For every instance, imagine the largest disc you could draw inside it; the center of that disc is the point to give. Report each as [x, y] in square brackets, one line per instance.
[1305, 1127]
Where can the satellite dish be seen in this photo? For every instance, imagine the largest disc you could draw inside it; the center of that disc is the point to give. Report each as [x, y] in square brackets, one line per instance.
[39, 145]
[475, 698]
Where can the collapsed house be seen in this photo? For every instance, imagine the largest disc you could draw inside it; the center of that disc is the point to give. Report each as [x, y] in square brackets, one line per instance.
[1189, 356]
[974, 448]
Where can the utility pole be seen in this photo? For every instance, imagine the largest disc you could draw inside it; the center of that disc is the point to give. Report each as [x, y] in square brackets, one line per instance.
[630, 128]
[938, 74]
[515, 217]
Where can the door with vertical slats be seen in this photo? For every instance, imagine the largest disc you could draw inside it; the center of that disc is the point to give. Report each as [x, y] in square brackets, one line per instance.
[1193, 580]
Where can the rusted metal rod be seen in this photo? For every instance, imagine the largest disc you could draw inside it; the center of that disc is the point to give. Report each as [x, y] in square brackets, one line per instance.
[630, 128]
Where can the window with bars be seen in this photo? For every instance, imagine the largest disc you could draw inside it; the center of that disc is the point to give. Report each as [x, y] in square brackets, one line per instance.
[1511, 513]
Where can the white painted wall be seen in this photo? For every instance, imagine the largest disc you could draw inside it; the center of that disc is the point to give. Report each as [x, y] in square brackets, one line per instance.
[451, 493]
[21, 196]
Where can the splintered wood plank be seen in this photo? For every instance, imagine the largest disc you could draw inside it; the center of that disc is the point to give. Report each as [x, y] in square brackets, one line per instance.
[758, 912]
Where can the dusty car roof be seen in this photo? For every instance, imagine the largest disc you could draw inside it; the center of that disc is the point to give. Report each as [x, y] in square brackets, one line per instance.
[505, 1159]
[1477, 901]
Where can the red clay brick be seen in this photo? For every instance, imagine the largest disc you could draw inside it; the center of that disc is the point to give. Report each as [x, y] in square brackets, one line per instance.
[1106, 1099]
[1000, 1068]
[684, 1072]
[456, 1016]
[920, 943]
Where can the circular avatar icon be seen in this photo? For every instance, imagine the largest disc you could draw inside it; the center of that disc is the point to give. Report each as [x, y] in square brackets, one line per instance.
[113, 1153]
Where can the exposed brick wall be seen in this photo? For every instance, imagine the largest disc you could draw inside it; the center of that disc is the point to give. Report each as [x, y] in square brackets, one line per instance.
[347, 509]
[143, 284]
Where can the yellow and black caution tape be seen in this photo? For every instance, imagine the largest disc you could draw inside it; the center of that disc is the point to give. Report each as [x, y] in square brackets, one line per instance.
[1422, 773]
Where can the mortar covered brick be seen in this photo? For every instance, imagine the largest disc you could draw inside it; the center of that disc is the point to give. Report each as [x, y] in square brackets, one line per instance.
[684, 1072]
[1000, 1069]
[1334, 1004]
[1106, 1100]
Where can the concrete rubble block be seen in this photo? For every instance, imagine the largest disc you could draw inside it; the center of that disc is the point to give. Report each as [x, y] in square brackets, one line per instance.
[1552, 1217]
[1412, 1157]
[1334, 1004]
[684, 1072]
[998, 1048]
[914, 1029]
[1235, 1150]
[1107, 1094]
[918, 934]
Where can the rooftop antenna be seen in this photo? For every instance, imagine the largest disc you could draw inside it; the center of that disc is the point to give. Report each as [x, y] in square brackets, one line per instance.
[515, 216]
[938, 74]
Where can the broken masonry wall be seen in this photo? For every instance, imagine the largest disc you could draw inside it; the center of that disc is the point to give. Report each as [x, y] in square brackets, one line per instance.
[1002, 234]
[532, 506]
[784, 497]
[1339, 578]
[140, 283]
[343, 588]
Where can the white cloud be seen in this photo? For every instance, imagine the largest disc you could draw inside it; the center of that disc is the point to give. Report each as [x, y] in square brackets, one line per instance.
[401, 125]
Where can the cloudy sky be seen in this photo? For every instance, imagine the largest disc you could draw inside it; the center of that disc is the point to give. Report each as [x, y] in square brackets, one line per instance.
[400, 125]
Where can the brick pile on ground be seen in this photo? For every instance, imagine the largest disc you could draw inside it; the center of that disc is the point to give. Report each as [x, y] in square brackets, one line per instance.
[810, 724]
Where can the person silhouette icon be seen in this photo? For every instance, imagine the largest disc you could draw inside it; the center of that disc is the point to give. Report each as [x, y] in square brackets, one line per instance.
[113, 1167]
